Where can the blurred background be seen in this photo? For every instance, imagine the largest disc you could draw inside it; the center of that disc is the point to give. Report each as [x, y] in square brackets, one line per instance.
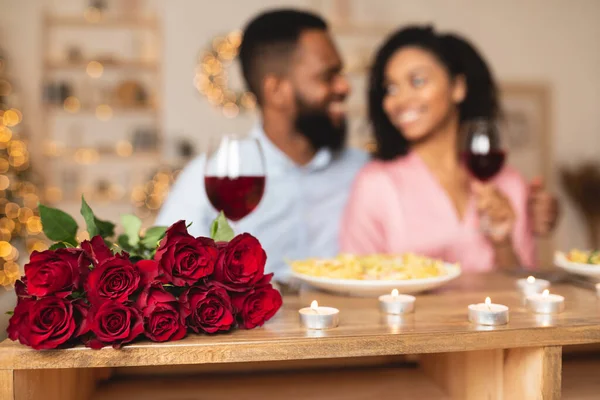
[110, 98]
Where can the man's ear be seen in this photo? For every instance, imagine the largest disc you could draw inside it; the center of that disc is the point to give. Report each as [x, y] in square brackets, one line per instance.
[277, 91]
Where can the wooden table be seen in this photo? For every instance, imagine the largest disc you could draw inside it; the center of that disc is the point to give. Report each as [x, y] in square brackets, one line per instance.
[521, 360]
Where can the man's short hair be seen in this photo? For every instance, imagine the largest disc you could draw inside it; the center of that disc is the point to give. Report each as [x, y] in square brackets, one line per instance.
[269, 41]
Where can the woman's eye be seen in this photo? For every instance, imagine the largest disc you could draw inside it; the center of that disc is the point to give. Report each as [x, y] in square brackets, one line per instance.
[418, 81]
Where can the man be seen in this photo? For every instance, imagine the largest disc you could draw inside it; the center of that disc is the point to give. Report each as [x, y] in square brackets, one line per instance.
[290, 63]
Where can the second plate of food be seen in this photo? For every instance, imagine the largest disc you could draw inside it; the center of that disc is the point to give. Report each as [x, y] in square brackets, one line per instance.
[374, 275]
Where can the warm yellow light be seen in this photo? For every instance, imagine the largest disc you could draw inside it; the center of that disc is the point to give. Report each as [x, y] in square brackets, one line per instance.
[230, 110]
[24, 215]
[530, 279]
[546, 293]
[12, 270]
[34, 225]
[104, 112]
[488, 301]
[5, 134]
[314, 305]
[31, 200]
[6, 223]
[94, 69]
[124, 148]
[11, 117]
[38, 246]
[5, 235]
[395, 293]
[86, 156]
[4, 182]
[12, 210]
[72, 104]
[5, 249]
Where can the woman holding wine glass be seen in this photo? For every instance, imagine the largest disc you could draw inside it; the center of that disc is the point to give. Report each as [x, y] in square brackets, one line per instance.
[438, 186]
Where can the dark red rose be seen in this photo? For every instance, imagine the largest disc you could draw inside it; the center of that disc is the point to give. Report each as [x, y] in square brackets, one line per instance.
[114, 279]
[256, 306]
[96, 249]
[183, 259]
[47, 323]
[114, 324]
[21, 288]
[209, 309]
[148, 270]
[55, 272]
[241, 263]
[164, 318]
[20, 317]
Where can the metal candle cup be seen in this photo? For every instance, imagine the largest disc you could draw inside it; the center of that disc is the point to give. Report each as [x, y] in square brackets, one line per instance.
[488, 313]
[315, 317]
[396, 303]
[546, 303]
[532, 285]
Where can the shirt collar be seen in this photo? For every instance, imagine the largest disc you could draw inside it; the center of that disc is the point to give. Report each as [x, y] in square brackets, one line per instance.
[277, 160]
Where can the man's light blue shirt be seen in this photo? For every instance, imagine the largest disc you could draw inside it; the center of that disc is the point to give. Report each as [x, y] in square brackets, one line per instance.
[299, 214]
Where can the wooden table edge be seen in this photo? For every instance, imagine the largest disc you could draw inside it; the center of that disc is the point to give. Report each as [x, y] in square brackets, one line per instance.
[179, 353]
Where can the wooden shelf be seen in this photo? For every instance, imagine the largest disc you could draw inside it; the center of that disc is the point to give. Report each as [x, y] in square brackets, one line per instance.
[120, 64]
[106, 22]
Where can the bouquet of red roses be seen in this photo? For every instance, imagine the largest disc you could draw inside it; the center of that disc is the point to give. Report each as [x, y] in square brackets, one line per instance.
[160, 285]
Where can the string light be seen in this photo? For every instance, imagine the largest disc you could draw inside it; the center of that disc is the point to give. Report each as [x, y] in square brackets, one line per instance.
[211, 78]
[94, 69]
[72, 104]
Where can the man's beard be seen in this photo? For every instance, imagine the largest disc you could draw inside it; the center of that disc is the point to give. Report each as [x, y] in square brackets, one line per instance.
[318, 128]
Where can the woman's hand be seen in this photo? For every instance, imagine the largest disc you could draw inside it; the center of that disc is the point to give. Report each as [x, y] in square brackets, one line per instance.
[495, 212]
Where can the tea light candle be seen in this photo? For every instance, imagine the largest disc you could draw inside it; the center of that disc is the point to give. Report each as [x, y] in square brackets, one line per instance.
[546, 303]
[532, 285]
[315, 317]
[396, 303]
[488, 313]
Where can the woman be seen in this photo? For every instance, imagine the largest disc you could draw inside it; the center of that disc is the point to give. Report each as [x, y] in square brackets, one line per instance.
[418, 196]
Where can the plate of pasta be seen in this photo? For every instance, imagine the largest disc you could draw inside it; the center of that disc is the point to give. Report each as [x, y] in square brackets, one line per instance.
[580, 262]
[374, 275]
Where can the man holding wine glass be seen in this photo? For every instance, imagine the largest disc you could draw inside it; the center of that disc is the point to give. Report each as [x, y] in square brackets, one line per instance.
[290, 63]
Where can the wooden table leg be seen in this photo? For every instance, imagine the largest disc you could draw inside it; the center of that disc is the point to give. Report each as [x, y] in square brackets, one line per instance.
[525, 373]
[49, 384]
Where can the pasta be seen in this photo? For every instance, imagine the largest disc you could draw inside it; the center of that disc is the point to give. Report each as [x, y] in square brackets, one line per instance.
[371, 267]
[584, 257]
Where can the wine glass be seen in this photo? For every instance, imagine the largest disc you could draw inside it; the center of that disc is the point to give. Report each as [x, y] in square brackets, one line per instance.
[483, 153]
[234, 175]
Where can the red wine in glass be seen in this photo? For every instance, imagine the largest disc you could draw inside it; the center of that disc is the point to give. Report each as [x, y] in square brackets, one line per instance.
[483, 153]
[236, 197]
[484, 166]
[234, 175]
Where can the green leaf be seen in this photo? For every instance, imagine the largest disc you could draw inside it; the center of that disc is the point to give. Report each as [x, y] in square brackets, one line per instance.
[105, 228]
[10, 313]
[59, 245]
[90, 219]
[123, 241]
[153, 236]
[58, 225]
[132, 226]
[220, 231]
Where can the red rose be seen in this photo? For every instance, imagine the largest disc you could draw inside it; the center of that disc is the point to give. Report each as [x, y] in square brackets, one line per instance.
[209, 309]
[241, 263]
[115, 324]
[47, 323]
[163, 320]
[183, 259]
[114, 279]
[55, 272]
[96, 249]
[258, 305]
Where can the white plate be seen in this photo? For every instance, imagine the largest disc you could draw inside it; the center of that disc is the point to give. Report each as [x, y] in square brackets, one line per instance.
[372, 288]
[591, 270]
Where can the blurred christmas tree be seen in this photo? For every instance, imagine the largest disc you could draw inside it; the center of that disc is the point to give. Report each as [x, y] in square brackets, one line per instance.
[20, 226]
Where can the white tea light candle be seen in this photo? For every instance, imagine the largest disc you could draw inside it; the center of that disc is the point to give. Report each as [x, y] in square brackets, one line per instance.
[316, 317]
[488, 313]
[546, 303]
[396, 303]
[531, 285]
